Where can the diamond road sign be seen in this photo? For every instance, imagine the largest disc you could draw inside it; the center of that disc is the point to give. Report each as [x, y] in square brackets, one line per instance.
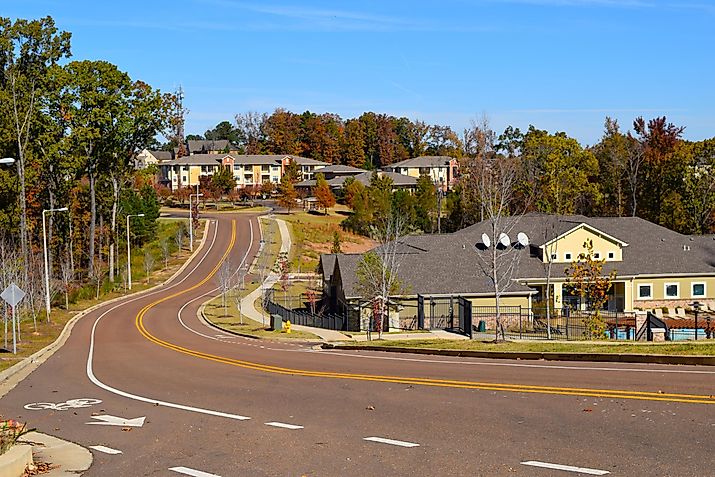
[13, 295]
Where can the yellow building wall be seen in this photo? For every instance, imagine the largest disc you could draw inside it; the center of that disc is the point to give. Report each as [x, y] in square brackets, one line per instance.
[684, 289]
[573, 243]
[194, 172]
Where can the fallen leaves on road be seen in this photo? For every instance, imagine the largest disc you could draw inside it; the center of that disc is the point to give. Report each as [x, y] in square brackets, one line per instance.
[370, 408]
[127, 429]
[588, 410]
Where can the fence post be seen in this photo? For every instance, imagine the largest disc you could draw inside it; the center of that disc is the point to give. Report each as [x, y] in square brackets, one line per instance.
[520, 337]
[567, 323]
[616, 325]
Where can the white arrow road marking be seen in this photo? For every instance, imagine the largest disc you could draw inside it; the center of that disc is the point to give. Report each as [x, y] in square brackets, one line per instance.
[106, 450]
[107, 420]
[393, 442]
[192, 472]
[567, 468]
[283, 425]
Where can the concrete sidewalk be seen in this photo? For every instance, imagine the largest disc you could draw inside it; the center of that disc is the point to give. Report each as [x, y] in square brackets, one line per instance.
[428, 335]
[248, 303]
[67, 458]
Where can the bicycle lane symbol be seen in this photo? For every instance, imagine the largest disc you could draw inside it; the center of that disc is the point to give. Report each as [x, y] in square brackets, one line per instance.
[62, 406]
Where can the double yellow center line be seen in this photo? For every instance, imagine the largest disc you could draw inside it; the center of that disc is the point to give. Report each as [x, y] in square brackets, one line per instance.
[445, 383]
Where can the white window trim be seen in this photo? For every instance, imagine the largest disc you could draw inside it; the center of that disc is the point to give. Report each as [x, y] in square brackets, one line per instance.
[568, 258]
[665, 289]
[692, 289]
[638, 291]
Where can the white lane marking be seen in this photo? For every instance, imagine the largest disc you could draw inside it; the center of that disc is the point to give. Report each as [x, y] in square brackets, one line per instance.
[107, 420]
[192, 472]
[106, 387]
[393, 442]
[106, 450]
[217, 338]
[567, 468]
[350, 354]
[283, 425]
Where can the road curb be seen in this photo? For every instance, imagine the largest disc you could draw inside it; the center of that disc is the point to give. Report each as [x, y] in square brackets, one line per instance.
[70, 459]
[16, 373]
[200, 315]
[696, 360]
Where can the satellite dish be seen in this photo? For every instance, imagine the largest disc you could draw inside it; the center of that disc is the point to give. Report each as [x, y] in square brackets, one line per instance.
[486, 240]
[504, 239]
[523, 239]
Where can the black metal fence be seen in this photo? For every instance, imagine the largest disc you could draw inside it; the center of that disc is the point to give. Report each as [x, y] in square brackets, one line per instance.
[560, 324]
[300, 313]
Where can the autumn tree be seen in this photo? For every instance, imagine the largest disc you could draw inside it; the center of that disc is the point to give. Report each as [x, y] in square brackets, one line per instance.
[564, 172]
[585, 278]
[28, 48]
[323, 193]
[287, 194]
[661, 171]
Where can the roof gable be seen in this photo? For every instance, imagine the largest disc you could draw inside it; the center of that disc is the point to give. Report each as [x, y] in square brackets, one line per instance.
[589, 228]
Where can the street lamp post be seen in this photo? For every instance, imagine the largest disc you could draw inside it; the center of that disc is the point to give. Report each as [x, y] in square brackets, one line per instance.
[191, 219]
[47, 265]
[129, 252]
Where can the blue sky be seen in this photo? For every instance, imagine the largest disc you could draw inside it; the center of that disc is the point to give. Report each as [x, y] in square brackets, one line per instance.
[558, 64]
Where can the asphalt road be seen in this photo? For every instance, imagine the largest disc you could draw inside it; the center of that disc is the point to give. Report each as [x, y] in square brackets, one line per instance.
[219, 405]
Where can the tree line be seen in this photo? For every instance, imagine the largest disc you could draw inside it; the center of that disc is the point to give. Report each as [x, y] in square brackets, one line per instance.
[649, 172]
[73, 127]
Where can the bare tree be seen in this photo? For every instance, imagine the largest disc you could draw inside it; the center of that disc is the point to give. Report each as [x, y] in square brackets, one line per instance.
[149, 261]
[550, 231]
[67, 277]
[179, 238]
[378, 270]
[494, 179]
[165, 252]
[98, 272]
[636, 157]
[224, 279]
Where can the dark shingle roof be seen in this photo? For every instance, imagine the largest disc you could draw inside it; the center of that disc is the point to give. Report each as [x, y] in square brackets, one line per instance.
[452, 263]
[205, 145]
[162, 155]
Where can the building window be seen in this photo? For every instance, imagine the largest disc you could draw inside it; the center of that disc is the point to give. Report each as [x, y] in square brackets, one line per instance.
[183, 178]
[672, 290]
[265, 168]
[698, 290]
[236, 168]
[596, 255]
[611, 255]
[645, 291]
[567, 256]
[554, 256]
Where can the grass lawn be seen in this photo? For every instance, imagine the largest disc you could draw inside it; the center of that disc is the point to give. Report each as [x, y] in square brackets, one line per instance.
[83, 298]
[214, 312]
[312, 234]
[271, 247]
[690, 348]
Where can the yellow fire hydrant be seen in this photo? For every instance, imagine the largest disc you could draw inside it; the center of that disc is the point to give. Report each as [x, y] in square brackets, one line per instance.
[286, 327]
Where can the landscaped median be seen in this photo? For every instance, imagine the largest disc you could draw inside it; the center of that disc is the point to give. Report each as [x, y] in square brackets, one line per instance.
[702, 353]
[228, 320]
